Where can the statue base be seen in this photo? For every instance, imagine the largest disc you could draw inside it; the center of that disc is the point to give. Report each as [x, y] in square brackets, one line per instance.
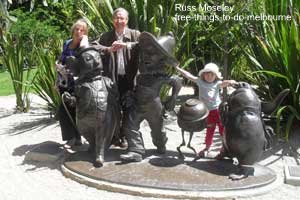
[167, 176]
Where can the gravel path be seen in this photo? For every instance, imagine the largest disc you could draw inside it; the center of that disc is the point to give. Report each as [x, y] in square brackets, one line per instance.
[24, 180]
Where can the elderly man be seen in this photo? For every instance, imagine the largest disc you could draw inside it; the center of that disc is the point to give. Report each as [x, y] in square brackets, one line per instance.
[121, 59]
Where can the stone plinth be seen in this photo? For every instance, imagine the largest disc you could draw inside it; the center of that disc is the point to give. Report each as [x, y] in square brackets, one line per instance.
[167, 176]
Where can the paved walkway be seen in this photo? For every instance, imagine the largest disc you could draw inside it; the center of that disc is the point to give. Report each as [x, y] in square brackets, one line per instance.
[24, 180]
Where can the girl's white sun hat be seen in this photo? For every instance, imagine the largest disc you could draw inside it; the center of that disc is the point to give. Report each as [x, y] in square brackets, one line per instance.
[211, 67]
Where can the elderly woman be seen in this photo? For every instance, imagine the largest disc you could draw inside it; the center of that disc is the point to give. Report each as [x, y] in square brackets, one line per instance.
[65, 82]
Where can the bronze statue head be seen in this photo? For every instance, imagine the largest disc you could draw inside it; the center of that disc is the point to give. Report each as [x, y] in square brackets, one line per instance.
[156, 53]
[86, 61]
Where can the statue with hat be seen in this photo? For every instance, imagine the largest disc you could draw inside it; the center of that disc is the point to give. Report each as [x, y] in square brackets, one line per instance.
[156, 54]
[96, 103]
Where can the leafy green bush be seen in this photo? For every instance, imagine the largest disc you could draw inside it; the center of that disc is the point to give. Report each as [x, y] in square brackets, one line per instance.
[33, 31]
[24, 42]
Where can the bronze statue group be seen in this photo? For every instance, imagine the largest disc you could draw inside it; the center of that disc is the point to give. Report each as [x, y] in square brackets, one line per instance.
[109, 86]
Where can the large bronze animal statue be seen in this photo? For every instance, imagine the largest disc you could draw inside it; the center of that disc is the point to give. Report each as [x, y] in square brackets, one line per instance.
[245, 131]
[96, 102]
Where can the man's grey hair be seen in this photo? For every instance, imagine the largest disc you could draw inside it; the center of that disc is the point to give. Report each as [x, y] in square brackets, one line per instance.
[121, 10]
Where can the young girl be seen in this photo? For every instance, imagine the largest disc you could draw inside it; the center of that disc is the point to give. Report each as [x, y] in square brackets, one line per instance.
[209, 82]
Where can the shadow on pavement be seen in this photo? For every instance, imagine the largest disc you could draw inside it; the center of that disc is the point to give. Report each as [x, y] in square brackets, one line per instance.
[41, 155]
[281, 148]
[37, 124]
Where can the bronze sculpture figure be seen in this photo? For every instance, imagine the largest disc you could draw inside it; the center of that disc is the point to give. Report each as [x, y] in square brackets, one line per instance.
[155, 55]
[245, 131]
[96, 102]
[191, 117]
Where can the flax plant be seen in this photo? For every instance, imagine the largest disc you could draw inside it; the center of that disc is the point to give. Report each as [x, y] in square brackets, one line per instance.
[44, 82]
[14, 61]
[275, 54]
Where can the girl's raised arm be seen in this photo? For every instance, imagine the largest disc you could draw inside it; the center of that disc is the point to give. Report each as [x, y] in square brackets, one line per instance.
[186, 74]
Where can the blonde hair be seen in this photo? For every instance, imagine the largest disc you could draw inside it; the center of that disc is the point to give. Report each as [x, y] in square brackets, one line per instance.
[80, 22]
